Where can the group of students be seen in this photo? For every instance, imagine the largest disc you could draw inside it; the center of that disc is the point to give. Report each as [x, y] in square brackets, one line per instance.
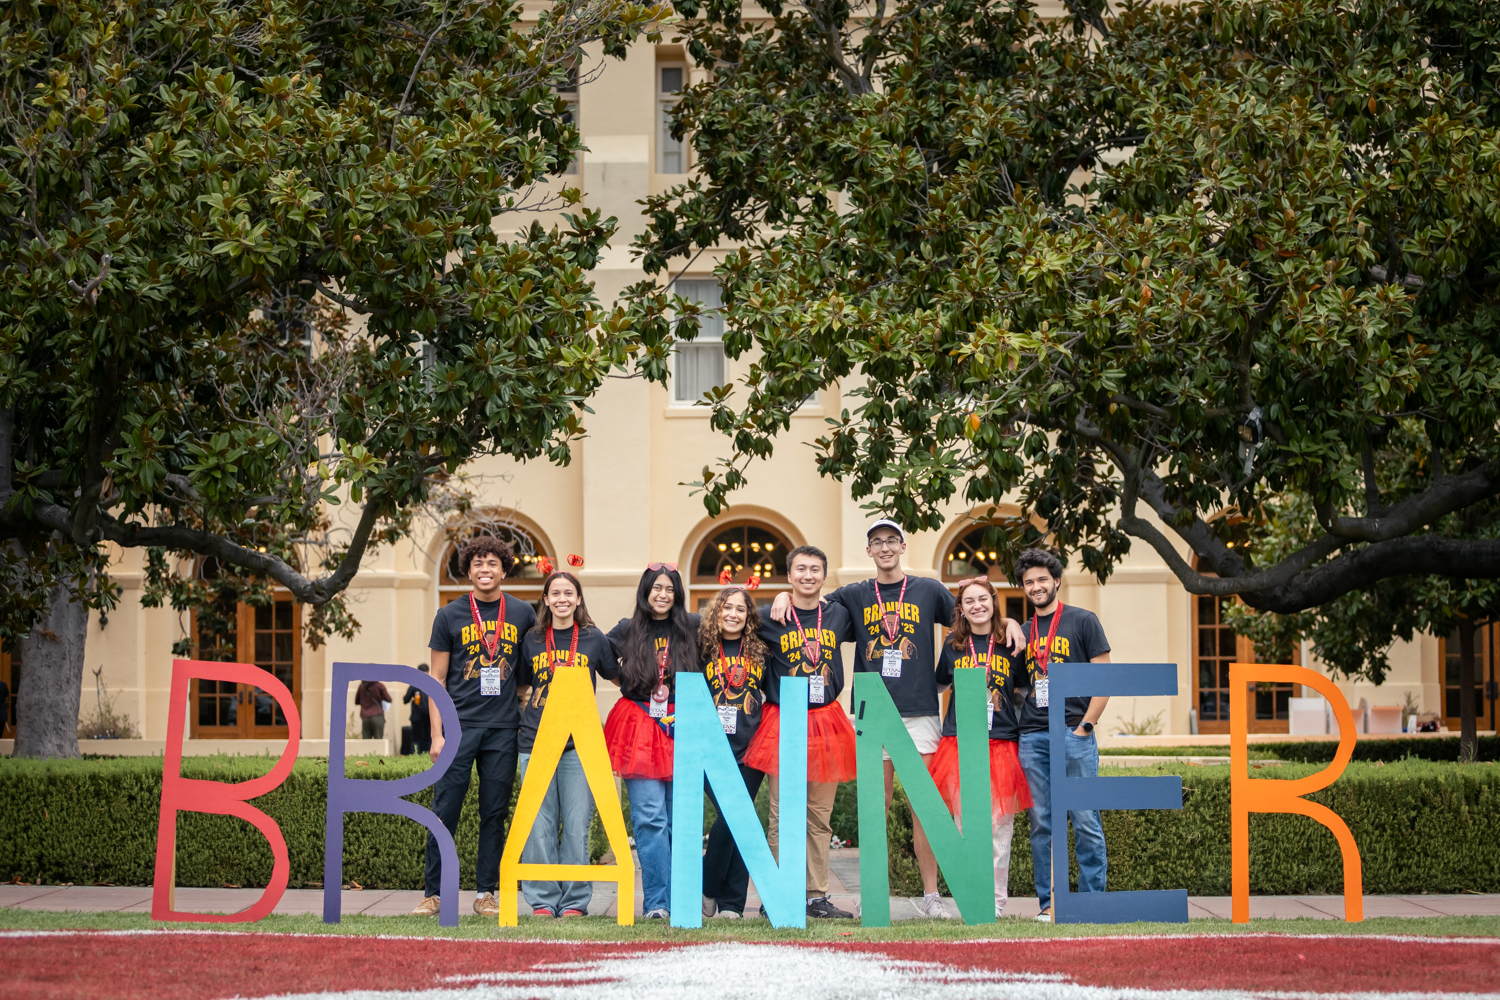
[496, 658]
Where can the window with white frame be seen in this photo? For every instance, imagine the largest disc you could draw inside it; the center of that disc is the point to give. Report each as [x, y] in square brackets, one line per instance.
[671, 157]
[699, 363]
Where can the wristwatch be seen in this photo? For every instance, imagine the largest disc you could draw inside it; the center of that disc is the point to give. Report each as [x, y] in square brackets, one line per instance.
[1087, 727]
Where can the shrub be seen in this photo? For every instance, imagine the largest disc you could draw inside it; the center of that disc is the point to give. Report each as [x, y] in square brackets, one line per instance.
[1421, 826]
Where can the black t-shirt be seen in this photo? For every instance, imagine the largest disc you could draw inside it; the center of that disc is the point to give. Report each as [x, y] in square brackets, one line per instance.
[661, 633]
[786, 658]
[535, 672]
[927, 603]
[999, 681]
[735, 685]
[453, 632]
[1079, 639]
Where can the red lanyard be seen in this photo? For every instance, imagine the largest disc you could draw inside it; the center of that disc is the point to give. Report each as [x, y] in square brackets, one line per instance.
[572, 647]
[989, 656]
[812, 649]
[1045, 653]
[661, 693]
[891, 620]
[736, 677]
[489, 646]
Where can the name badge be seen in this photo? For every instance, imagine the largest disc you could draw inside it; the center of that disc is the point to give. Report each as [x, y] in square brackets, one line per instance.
[991, 722]
[890, 663]
[1039, 689]
[657, 709]
[815, 690]
[489, 680]
[729, 718]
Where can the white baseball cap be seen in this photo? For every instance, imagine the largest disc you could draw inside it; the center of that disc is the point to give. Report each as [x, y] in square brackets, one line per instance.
[886, 522]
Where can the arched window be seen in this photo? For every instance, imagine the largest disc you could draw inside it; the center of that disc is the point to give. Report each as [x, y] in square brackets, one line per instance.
[974, 553]
[1215, 647]
[525, 579]
[743, 550]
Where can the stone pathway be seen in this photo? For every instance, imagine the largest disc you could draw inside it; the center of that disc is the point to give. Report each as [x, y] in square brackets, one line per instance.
[843, 888]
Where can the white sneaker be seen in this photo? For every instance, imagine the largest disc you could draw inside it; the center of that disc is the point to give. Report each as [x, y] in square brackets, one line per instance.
[931, 905]
[658, 914]
[1045, 917]
[728, 915]
[710, 906]
[999, 910]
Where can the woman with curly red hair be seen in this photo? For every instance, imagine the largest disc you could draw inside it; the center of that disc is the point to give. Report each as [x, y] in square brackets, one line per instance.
[972, 644]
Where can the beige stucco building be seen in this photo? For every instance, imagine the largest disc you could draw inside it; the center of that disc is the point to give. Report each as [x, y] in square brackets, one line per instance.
[622, 504]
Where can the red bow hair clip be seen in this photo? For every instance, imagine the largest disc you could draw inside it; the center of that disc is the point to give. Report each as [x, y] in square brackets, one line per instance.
[545, 566]
[575, 561]
[753, 583]
[725, 575]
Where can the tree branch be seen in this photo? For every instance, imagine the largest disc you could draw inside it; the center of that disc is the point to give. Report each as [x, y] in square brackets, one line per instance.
[1446, 495]
[90, 292]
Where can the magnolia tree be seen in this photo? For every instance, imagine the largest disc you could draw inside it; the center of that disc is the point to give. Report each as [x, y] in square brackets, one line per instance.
[254, 264]
[1232, 264]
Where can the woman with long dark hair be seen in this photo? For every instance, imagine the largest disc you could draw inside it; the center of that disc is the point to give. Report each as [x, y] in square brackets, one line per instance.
[732, 658]
[974, 644]
[564, 637]
[652, 646]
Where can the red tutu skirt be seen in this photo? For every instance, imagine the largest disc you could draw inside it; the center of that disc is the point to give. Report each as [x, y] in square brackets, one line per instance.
[638, 746]
[1009, 792]
[830, 744]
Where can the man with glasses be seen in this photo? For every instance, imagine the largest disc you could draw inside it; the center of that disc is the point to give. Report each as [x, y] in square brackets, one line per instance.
[894, 617]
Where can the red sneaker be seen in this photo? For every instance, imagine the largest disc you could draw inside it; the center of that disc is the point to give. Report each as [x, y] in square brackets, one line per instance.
[574, 913]
[542, 912]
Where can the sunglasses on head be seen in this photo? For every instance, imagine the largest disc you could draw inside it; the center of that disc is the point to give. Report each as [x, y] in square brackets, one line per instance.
[658, 567]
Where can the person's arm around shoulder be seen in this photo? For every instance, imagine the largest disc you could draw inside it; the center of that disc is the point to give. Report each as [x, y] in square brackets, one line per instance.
[606, 664]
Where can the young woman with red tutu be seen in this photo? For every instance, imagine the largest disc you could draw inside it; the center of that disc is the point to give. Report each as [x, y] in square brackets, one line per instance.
[807, 645]
[974, 644]
[652, 645]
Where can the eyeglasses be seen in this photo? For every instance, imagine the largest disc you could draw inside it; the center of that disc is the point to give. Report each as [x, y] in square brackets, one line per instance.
[885, 543]
[658, 567]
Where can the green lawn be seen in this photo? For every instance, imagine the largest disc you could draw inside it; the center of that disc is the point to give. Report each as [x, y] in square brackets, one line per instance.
[605, 929]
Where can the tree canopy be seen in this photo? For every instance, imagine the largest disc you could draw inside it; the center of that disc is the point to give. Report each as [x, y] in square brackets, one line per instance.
[1218, 277]
[256, 259]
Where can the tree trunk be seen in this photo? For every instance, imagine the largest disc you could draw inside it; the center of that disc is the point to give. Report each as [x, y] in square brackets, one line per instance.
[52, 656]
[1468, 739]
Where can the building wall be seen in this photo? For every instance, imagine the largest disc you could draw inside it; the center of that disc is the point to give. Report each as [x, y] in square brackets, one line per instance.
[621, 503]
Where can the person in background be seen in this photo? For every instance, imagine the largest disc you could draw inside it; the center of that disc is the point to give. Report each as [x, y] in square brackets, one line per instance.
[653, 645]
[732, 658]
[374, 700]
[973, 643]
[475, 641]
[894, 617]
[808, 646]
[564, 637]
[421, 714]
[1059, 635]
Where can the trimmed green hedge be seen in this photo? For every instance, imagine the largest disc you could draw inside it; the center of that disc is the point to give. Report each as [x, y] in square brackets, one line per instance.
[1443, 748]
[1421, 827]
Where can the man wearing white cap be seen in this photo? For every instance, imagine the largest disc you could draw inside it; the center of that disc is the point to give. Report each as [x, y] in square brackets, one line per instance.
[894, 615]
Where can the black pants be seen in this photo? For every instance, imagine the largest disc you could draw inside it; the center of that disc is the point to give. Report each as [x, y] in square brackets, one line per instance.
[421, 734]
[725, 877]
[494, 751]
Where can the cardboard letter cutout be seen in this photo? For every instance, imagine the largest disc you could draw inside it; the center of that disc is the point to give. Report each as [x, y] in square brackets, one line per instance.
[965, 859]
[1272, 796]
[179, 794]
[346, 795]
[570, 711]
[701, 751]
[1077, 680]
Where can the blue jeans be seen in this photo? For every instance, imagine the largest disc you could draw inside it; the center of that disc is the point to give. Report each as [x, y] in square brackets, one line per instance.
[569, 800]
[651, 816]
[1088, 833]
